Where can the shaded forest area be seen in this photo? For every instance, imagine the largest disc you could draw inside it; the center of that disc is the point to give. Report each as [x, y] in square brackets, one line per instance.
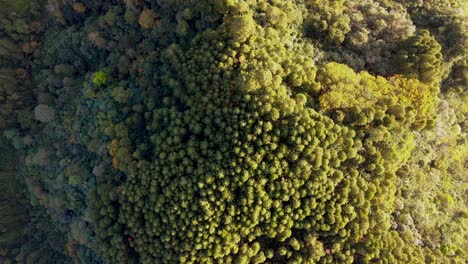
[233, 131]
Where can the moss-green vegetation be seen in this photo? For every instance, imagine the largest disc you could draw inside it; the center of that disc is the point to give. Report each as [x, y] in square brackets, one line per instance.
[234, 131]
[99, 78]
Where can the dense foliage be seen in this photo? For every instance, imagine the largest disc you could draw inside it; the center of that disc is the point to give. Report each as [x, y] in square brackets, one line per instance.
[233, 131]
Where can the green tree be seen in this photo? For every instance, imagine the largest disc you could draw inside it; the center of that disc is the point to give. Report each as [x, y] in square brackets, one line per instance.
[420, 57]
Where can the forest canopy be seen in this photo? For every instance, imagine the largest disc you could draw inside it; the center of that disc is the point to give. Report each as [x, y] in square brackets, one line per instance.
[233, 131]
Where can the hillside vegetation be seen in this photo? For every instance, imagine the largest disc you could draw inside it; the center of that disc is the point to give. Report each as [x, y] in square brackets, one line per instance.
[233, 131]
